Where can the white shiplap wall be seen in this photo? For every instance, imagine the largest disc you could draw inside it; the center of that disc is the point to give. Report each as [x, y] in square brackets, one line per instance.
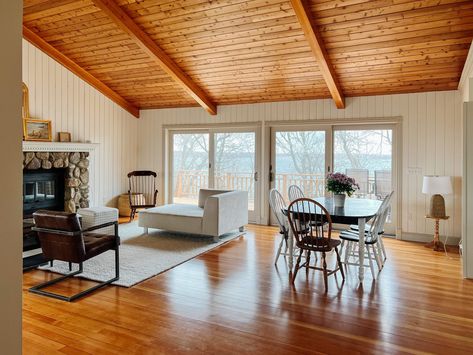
[431, 139]
[74, 106]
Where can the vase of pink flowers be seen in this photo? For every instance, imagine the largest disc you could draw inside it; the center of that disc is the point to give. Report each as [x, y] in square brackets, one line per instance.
[340, 185]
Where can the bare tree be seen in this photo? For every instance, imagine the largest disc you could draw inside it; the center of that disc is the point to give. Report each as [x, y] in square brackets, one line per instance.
[190, 152]
[305, 148]
[235, 152]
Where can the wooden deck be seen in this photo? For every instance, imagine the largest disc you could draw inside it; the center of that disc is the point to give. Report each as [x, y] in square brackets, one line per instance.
[234, 300]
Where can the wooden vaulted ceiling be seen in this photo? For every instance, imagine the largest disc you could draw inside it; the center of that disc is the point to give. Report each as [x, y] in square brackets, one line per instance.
[243, 51]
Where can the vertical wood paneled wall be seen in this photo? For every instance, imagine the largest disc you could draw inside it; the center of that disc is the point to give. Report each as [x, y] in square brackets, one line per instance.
[74, 106]
[431, 139]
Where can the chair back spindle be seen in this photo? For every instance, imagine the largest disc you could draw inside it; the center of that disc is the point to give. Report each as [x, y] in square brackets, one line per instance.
[295, 192]
[278, 205]
[311, 224]
[142, 191]
[377, 226]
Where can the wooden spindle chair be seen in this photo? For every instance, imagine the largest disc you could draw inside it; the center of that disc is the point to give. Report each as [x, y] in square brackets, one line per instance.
[278, 206]
[295, 192]
[142, 192]
[384, 209]
[311, 225]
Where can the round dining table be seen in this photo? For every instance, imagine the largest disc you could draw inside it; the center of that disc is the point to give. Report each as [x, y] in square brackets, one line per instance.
[356, 211]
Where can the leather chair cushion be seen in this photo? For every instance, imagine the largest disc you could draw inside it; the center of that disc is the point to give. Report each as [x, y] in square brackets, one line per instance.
[64, 221]
[96, 244]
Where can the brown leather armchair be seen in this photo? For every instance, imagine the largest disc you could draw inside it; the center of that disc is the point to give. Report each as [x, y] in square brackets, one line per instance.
[62, 238]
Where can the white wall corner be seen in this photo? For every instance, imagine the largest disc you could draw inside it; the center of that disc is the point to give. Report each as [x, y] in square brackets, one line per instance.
[469, 92]
[467, 196]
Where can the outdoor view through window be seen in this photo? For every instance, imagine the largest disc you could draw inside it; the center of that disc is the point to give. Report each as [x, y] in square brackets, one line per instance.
[226, 160]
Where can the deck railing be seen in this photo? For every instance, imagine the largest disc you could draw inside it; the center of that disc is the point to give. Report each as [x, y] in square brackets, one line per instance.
[187, 183]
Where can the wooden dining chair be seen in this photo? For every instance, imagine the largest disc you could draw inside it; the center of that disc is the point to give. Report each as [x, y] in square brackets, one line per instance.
[311, 225]
[295, 192]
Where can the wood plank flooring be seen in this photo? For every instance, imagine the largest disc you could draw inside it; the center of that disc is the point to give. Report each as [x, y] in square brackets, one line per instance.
[234, 300]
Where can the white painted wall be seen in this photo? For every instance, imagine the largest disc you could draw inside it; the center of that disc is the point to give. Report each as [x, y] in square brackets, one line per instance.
[10, 156]
[431, 139]
[74, 106]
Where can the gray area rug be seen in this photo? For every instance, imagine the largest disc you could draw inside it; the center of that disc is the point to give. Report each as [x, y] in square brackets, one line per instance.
[144, 256]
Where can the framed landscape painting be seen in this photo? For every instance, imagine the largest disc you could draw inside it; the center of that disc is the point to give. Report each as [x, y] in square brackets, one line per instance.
[37, 130]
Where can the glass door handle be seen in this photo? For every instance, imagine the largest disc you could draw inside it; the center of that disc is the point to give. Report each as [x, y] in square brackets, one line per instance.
[256, 176]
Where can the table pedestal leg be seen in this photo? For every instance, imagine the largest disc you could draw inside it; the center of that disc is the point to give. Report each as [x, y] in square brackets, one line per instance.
[361, 248]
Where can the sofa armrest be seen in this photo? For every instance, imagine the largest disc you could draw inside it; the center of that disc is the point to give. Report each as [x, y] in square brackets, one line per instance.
[225, 212]
[204, 194]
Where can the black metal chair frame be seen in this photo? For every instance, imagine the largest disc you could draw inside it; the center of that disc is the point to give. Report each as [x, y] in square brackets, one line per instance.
[38, 289]
[133, 208]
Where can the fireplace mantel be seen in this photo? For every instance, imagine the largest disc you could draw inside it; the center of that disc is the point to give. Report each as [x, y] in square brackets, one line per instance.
[31, 146]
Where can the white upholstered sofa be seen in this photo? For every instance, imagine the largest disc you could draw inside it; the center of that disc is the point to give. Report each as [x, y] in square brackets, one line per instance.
[218, 212]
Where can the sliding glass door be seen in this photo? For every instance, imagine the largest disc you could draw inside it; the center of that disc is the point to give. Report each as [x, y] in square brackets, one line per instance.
[235, 163]
[300, 157]
[190, 166]
[221, 159]
[304, 155]
[366, 154]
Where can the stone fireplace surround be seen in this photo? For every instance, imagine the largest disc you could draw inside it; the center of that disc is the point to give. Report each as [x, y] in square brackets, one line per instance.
[74, 157]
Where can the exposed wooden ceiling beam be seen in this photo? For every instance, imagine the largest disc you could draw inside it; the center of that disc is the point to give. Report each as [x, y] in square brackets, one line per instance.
[40, 43]
[318, 49]
[148, 45]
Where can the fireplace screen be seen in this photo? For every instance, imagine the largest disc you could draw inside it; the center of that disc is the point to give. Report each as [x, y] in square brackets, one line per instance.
[43, 189]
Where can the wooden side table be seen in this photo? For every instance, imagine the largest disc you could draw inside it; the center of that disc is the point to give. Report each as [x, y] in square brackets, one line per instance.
[436, 244]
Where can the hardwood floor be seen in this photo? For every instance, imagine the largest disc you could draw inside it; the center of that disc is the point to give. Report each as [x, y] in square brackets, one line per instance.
[234, 300]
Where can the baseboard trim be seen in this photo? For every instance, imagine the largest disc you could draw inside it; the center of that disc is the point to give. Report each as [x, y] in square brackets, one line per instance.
[425, 238]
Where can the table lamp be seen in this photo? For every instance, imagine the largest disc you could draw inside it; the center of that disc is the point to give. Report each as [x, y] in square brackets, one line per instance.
[437, 186]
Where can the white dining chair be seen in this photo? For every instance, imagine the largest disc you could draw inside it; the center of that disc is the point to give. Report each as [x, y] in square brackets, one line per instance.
[295, 192]
[373, 237]
[385, 206]
[350, 242]
[278, 206]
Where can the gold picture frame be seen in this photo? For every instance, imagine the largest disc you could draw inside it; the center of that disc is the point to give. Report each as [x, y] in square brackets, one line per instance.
[37, 130]
[64, 136]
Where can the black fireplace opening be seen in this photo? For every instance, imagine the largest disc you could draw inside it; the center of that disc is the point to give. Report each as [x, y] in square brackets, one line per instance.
[43, 189]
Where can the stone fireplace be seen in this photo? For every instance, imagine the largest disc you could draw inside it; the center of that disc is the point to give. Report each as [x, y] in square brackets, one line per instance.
[73, 158]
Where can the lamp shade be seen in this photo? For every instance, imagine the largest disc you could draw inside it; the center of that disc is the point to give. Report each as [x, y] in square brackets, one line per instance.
[433, 185]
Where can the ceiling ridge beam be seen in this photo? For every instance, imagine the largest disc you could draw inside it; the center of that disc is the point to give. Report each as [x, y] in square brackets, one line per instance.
[147, 44]
[75, 68]
[318, 49]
